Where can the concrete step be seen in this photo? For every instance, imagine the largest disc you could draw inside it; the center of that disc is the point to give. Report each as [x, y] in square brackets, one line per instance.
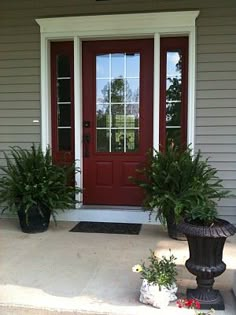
[139, 309]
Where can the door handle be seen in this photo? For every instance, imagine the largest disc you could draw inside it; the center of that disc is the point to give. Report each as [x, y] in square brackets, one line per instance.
[86, 138]
[86, 141]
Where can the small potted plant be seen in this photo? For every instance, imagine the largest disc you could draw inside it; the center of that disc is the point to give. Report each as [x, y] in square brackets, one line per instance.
[35, 188]
[159, 283]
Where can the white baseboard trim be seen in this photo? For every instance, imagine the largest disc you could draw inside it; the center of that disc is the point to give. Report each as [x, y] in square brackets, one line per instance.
[108, 214]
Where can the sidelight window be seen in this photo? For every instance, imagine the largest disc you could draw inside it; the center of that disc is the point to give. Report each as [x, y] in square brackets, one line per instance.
[173, 91]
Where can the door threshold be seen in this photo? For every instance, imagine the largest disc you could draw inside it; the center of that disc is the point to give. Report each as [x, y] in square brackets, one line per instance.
[116, 214]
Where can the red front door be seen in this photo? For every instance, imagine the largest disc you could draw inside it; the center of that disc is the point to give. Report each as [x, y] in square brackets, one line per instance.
[117, 118]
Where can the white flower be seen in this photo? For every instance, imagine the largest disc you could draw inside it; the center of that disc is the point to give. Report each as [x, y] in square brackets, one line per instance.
[137, 268]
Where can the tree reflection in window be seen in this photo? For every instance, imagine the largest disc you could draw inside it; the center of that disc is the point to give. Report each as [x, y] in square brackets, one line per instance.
[119, 114]
[173, 97]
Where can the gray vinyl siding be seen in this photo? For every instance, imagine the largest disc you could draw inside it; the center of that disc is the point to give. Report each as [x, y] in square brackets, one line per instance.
[216, 73]
[216, 96]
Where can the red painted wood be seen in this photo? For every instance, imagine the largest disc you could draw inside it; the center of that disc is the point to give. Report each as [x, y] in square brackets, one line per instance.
[169, 44]
[105, 175]
[67, 49]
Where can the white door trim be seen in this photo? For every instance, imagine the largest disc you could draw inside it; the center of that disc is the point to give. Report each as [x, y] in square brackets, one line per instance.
[142, 25]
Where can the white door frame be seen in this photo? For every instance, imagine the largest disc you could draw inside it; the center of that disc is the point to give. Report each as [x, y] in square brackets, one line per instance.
[118, 26]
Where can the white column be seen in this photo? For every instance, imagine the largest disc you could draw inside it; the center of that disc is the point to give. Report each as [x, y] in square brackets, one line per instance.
[156, 91]
[191, 88]
[78, 115]
[45, 93]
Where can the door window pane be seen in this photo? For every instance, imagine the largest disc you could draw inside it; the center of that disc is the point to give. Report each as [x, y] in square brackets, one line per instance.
[132, 140]
[63, 66]
[132, 65]
[64, 115]
[63, 90]
[64, 139]
[173, 109]
[117, 115]
[117, 90]
[173, 135]
[117, 140]
[174, 60]
[117, 65]
[103, 115]
[102, 140]
[103, 91]
[132, 90]
[102, 66]
[132, 115]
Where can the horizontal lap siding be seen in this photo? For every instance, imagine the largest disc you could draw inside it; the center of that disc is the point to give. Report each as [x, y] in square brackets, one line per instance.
[216, 96]
[19, 83]
[216, 72]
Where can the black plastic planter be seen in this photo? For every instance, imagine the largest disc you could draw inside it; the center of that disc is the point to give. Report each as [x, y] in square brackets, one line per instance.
[173, 232]
[34, 222]
[205, 262]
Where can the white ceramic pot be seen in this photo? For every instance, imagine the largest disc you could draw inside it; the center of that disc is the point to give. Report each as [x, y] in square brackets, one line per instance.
[158, 296]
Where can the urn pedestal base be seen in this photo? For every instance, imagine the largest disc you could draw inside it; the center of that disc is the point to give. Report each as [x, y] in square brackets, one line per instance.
[208, 300]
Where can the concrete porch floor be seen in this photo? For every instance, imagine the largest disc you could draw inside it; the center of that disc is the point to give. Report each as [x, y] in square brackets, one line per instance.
[60, 272]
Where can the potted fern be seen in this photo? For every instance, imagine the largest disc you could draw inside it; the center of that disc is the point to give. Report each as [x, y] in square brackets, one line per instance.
[35, 188]
[166, 183]
[178, 184]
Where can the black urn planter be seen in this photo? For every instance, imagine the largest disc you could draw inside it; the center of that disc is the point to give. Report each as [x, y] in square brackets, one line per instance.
[205, 262]
[34, 222]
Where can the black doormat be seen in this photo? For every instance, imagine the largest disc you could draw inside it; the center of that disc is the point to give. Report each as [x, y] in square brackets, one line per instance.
[107, 227]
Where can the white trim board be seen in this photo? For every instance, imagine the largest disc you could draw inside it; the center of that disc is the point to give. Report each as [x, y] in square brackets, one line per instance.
[106, 214]
[141, 25]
